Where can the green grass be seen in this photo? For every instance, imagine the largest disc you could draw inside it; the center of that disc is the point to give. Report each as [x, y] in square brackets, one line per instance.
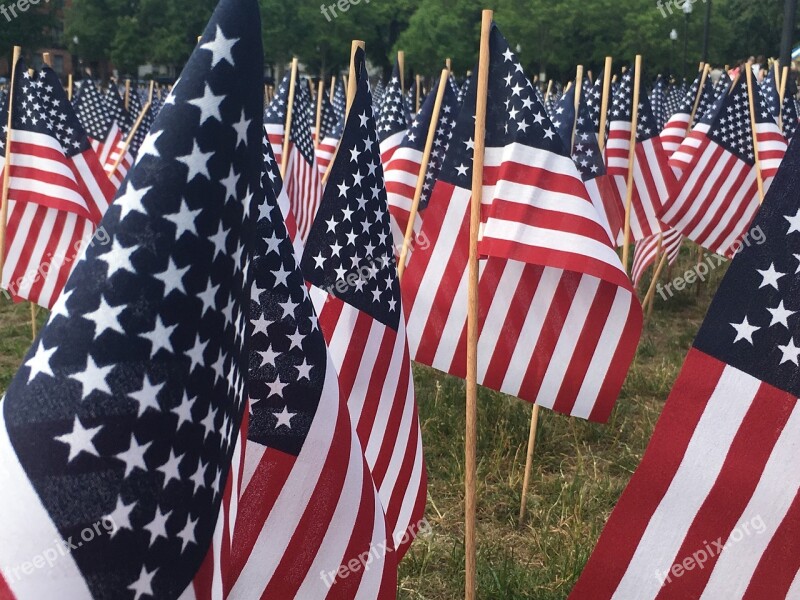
[580, 468]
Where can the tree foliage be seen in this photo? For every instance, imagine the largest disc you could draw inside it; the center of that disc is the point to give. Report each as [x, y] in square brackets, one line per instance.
[551, 35]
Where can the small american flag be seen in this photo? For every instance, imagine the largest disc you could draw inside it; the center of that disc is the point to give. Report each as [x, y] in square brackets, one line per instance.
[713, 511]
[594, 102]
[127, 414]
[96, 117]
[349, 263]
[647, 252]
[394, 117]
[552, 289]
[275, 118]
[331, 134]
[402, 171]
[678, 124]
[117, 167]
[718, 196]
[653, 180]
[58, 191]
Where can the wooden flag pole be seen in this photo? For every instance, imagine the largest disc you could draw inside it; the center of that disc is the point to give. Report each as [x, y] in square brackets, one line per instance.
[423, 169]
[287, 130]
[320, 91]
[6, 178]
[529, 463]
[631, 159]
[549, 90]
[601, 137]
[471, 437]
[759, 177]
[127, 94]
[69, 87]
[333, 88]
[351, 94]
[134, 129]
[418, 91]
[47, 59]
[650, 298]
[448, 64]
[401, 66]
[578, 91]
[698, 97]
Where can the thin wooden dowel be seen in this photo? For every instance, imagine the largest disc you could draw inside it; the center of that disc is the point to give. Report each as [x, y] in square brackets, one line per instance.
[134, 129]
[448, 64]
[47, 59]
[549, 91]
[782, 95]
[698, 97]
[320, 91]
[418, 92]
[631, 162]
[401, 66]
[33, 321]
[127, 94]
[529, 463]
[287, 130]
[578, 90]
[333, 88]
[6, 176]
[69, 87]
[351, 94]
[653, 284]
[471, 437]
[759, 177]
[423, 170]
[601, 135]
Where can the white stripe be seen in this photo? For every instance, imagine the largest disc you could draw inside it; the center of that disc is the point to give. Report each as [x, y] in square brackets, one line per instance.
[386, 401]
[771, 500]
[37, 247]
[26, 532]
[373, 575]
[695, 477]
[794, 589]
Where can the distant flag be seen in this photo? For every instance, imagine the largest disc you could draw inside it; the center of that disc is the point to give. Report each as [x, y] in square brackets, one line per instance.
[718, 196]
[594, 101]
[340, 99]
[331, 134]
[770, 96]
[119, 160]
[713, 511]
[97, 119]
[658, 101]
[649, 250]
[58, 190]
[308, 506]
[126, 417]
[589, 159]
[723, 85]
[653, 180]
[552, 289]
[679, 124]
[275, 118]
[349, 263]
[402, 171]
[394, 118]
[462, 92]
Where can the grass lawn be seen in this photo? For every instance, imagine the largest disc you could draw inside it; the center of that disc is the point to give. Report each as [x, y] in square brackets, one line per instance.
[580, 469]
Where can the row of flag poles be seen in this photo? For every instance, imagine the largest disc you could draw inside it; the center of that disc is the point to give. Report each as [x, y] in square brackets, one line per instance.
[244, 276]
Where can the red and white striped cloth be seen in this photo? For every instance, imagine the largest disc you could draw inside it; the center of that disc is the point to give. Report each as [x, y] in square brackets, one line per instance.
[55, 203]
[401, 174]
[325, 153]
[275, 134]
[117, 175]
[647, 252]
[675, 131]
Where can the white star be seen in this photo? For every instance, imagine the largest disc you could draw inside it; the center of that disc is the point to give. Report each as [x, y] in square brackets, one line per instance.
[304, 370]
[209, 105]
[39, 363]
[780, 315]
[106, 317]
[80, 439]
[220, 48]
[131, 201]
[144, 585]
[288, 308]
[284, 418]
[159, 337]
[118, 258]
[170, 469]
[220, 241]
[462, 170]
[268, 356]
[120, 517]
[744, 331]
[172, 278]
[208, 298]
[770, 277]
[794, 222]
[229, 183]
[184, 220]
[147, 396]
[149, 146]
[790, 352]
[158, 526]
[241, 130]
[187, 534]
[196, 161]
[133, 457]
[93, 378]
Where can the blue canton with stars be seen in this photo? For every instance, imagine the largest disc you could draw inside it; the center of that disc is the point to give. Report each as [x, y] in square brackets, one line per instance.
[621, 109]
[128, 407]
[349, 250]
[288, 356]
[586, 152]
[93, 111]
[394, 116]
[729, 121]
[754, 322]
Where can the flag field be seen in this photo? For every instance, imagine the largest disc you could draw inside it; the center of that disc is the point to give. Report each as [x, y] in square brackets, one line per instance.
[580, 468]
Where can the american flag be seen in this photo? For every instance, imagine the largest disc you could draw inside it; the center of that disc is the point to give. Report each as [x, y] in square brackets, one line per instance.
[594, 102]
[552, 288]
[127, 415]
[462, 92]
[58, 191]
[275, 118]
[309, 503]
[770, 94]
[718, 196]
[678, 125]
[653, 180]
[658, 101]
[650, 249]
[331, 134]
[123, 121]
[394, 118]
[349, 263]
[713, 510]
[589, 159]
[402, 171]
[97, 119]
[340, 99]
[723, 85]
